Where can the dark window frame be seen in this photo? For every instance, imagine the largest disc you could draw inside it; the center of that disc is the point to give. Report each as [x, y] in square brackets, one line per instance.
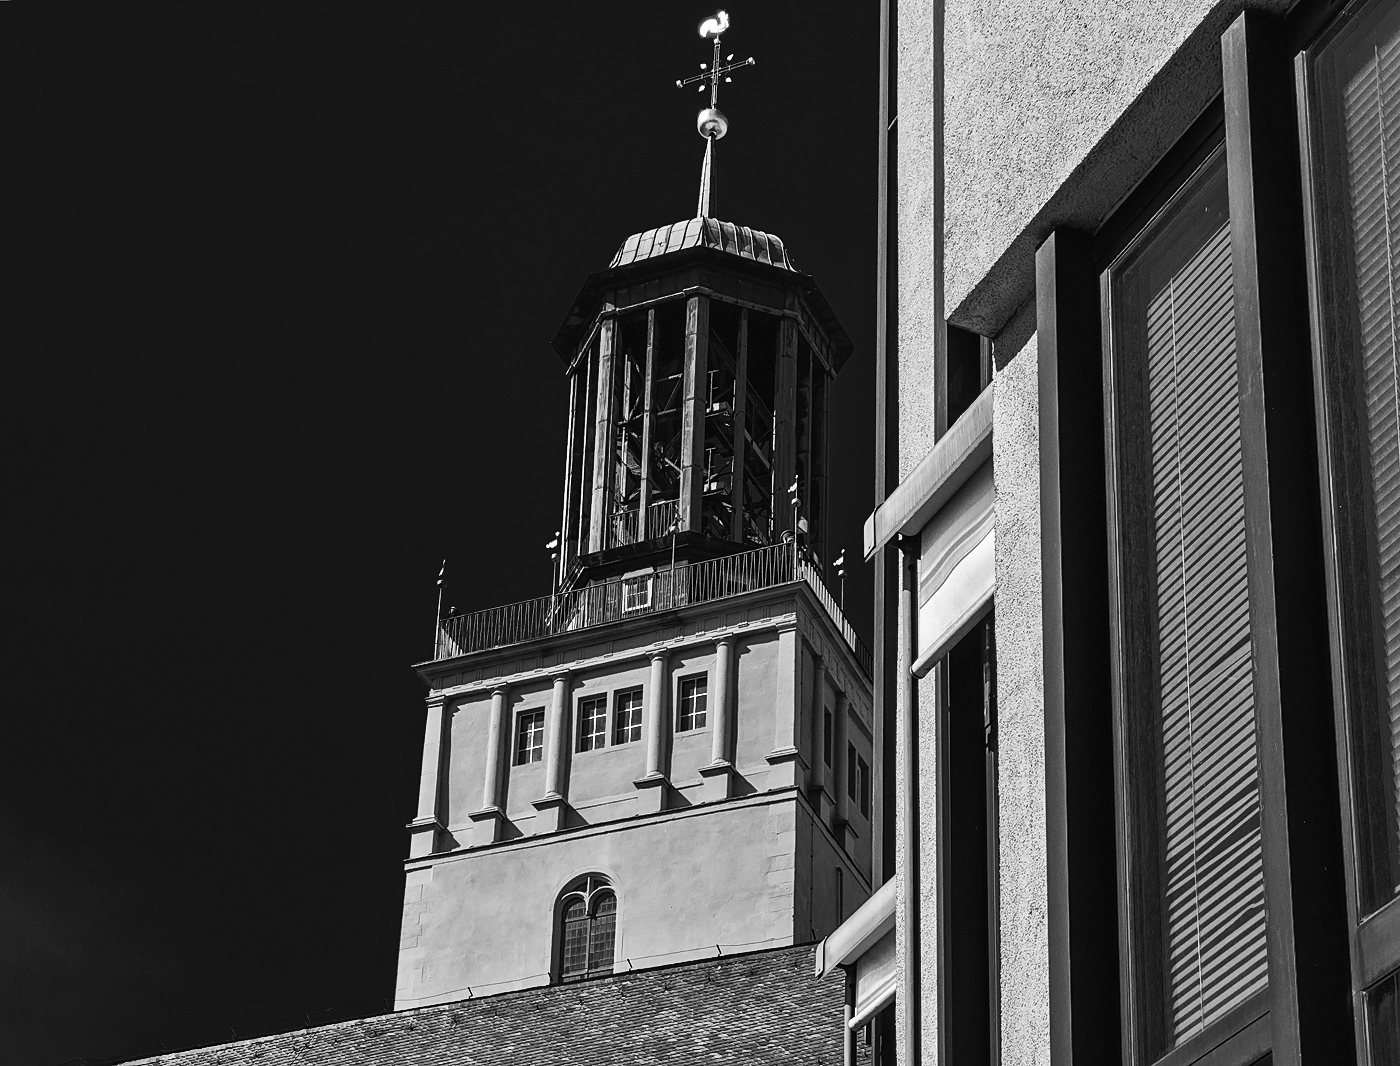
[1133, 629]
[1373, 924]
[969, 848]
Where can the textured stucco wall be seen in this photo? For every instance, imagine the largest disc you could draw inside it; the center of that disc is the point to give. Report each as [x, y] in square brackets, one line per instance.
[685, 883]
[1025, 960]
[1030, 88]
[917, 176]
[751, 874]
[1054, 111]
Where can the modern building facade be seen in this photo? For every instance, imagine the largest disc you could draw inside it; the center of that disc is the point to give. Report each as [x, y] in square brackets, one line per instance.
[1136, 648]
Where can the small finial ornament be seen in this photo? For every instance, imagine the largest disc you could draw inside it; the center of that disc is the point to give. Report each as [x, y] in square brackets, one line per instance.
[711, 123]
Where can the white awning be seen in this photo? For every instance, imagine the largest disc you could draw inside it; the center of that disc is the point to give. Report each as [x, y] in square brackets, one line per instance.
[877, 976]
[865, 941]
[872, 920]
[957, 567]
[944, 470]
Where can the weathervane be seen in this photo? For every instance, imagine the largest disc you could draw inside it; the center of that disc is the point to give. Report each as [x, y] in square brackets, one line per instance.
[711, 123]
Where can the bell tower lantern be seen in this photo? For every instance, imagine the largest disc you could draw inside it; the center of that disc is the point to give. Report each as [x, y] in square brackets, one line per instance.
[699, 366]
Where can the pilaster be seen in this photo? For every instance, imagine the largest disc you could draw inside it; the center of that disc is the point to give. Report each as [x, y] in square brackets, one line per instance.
[492, 815]
[424, 829]
[789, 765]
[552, 805]
[656, 725]
[719, 774]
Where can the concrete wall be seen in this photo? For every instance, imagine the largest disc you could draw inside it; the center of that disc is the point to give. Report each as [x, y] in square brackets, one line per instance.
[1025, 960]
[1014, 117]
[687, 882]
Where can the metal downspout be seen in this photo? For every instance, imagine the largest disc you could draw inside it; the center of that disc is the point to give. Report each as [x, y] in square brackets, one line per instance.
[908, 739]
[848, 1043]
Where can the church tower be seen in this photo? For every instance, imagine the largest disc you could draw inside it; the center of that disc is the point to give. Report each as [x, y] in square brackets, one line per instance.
[668, 758]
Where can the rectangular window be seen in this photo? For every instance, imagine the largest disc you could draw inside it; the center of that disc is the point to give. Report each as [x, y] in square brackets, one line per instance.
[863, 785]
[1355, 141]
[826, 736]
[691, 714]
[1185, 690]
[627, 716]
[636, 592]
[529, 738]
[592, 723]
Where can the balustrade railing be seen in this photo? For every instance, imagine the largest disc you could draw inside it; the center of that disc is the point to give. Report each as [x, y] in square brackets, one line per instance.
[630, 597]
[622, 529]
[661, 518]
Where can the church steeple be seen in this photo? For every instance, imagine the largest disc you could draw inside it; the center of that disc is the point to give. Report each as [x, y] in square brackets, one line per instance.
[711, 122]
[668, 757]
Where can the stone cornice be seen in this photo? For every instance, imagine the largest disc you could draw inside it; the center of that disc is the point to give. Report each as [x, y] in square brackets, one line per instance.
[642, 653]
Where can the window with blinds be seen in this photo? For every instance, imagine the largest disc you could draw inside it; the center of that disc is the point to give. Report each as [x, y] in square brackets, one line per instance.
[1356, 155]
[1186, 693]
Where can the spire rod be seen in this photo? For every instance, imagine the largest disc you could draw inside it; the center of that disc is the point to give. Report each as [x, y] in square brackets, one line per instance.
[705, 208]
[711, 123]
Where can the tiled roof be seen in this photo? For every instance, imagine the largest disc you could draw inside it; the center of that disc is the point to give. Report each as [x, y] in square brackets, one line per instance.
[760, 1008]
[704, 233]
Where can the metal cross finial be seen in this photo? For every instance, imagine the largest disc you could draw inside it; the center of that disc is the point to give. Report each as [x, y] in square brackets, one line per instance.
[713, 71]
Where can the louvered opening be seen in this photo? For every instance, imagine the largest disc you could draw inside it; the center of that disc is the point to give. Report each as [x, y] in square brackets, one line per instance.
[1199, 911]
[1358, 83]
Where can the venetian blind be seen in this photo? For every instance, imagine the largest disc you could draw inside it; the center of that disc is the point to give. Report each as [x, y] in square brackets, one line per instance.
[1213, 906]
[1371, 110]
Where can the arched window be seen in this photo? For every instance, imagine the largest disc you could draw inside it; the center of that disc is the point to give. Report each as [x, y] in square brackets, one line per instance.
[587, 928]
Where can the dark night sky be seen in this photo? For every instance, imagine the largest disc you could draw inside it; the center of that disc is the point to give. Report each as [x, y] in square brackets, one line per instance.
[279, 284]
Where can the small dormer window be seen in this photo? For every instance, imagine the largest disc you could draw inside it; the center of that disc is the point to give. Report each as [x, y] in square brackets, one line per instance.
[636, 592]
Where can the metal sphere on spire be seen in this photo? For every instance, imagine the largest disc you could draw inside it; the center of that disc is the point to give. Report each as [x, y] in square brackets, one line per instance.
[711, 123]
